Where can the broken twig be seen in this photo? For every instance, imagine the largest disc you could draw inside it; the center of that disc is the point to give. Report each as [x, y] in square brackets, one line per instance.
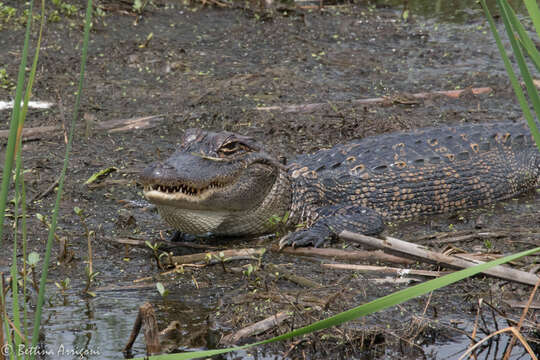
[257, 328]
[418, 251]
[385, 270]
[215, 257]
[300, 280]
[111, 126]
[376, 255]
[306, 108]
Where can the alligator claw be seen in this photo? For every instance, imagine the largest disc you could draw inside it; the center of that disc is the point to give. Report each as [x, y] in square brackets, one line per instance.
[302, 238]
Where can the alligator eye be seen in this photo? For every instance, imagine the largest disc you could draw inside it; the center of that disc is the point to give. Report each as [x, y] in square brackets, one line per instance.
[232, 147]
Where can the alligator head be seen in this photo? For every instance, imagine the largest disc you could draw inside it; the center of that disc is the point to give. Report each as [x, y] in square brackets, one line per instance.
[218, 183]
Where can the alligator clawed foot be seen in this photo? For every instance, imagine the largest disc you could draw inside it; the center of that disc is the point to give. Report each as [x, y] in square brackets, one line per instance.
[302, 238]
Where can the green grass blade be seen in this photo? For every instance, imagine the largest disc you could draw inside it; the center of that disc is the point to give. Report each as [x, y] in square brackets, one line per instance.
[44, 273]
[524, 38]
[7, 332]
[24, 256]
[31, 77]
[534, 13]
[10, 147]
[527, 78]
[19, 181]
[14, 280]
[366, 309]
[513, 78]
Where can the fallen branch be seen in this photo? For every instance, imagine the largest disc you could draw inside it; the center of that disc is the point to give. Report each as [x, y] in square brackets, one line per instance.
[394, 281]
[128, 287]
[418, 251]
[111, 126]
[306, 108]
[385, 270]
[470, 237]
[46, 192]
[256, 328]
[144, 122]
[535, 305]
[300, 280]
[215, 257]
[162, 244]
[377, 255]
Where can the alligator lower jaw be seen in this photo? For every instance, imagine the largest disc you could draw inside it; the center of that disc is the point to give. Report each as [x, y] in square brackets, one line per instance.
[170, 195]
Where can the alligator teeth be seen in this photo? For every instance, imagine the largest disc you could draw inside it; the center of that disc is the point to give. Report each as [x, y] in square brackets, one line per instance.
[182, 188]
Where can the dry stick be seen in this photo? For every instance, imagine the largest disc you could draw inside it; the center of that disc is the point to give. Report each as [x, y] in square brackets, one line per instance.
[167, 244]
[394, 281]
[300, 280]
[112, 126]
[422, 252]
[498, 332]
[311, 107]
[44, 193]
[215, 257]
[475, 327]
[146, 316]
[469, 237]
[385, 270]
[535, 305]
[521, 320]
[377, 255]
[257, 328]
[128, 287]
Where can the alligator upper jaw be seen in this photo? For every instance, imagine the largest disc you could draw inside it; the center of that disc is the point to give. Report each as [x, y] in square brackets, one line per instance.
[181, 193]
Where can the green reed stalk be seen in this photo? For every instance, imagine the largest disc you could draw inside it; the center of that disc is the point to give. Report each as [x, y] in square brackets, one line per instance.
[19, 179]
[52, 229]
[13, 126]
[6, 179]
[511, 24]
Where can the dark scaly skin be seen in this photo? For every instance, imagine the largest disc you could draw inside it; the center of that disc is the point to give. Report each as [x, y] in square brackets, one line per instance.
[358, 185]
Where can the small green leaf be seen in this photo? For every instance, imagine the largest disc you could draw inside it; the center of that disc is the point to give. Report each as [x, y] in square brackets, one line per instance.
[160, 288]
[33, 258]
[99, 175]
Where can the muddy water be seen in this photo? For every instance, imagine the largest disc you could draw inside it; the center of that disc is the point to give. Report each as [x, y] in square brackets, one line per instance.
[211, 68]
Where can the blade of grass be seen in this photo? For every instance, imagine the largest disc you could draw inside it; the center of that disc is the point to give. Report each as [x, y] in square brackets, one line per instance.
[14, 280]
[513, 78]
[12, 139]
[19, 180]
[363, 310]
[524, 38]
[31, 78]
[52, 229]
[6, 177]
[527, 78]
[534, 13]
[5, 324]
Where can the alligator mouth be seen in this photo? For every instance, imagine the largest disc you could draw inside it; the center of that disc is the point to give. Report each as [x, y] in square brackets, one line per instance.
[165, 193]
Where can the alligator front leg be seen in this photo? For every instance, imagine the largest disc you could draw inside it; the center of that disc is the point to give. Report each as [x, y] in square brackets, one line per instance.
[331, 221]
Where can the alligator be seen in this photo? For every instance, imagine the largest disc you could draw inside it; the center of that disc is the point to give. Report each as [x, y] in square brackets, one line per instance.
[225, 184]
